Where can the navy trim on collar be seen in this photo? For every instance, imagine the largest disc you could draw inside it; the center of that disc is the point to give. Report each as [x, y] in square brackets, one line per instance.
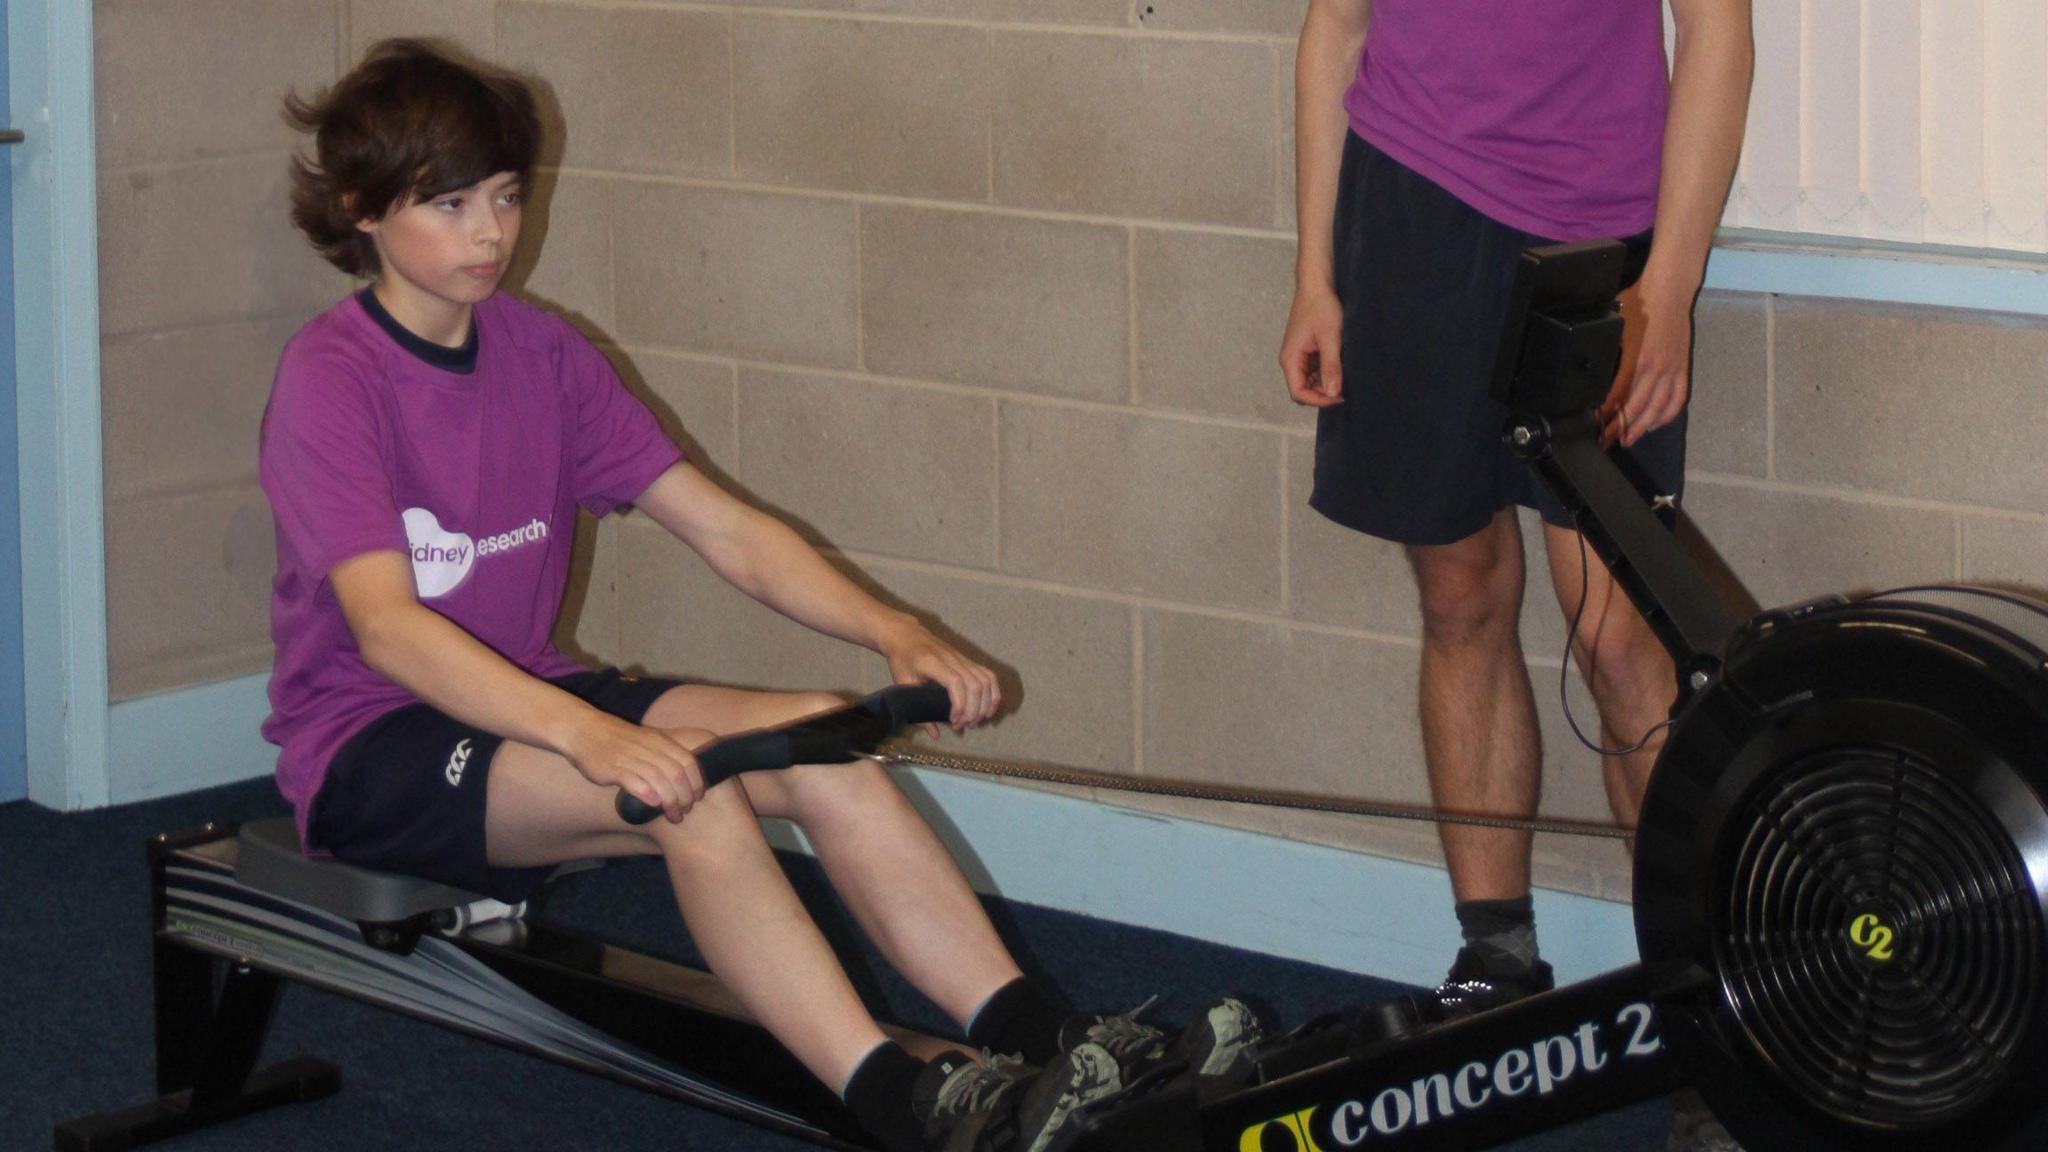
[458, 360]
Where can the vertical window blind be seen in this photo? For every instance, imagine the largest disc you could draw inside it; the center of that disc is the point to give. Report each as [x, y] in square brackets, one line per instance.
[1910, 121]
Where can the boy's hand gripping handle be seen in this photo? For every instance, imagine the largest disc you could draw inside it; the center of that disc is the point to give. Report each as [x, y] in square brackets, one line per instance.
[835, 737]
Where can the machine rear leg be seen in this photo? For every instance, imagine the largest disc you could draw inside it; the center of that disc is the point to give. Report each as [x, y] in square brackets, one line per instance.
[207, 1045]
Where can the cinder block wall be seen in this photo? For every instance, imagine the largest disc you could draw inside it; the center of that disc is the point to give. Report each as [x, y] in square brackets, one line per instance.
[989, 304]
[201, 280]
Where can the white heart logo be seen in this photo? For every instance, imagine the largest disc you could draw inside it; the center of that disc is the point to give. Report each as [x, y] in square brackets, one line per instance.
[440, 558]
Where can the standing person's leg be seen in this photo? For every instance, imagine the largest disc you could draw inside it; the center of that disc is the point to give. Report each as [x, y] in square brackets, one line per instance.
[1485, 757]
[1414, 455]
[1625, 666]
[1479, 732]
[1623, 663]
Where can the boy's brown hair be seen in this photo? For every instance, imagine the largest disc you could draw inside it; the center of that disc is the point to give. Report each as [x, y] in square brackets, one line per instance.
[414, 120]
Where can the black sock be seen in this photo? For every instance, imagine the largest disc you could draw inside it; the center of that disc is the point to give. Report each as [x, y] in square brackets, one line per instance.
[1502, 933]
[878, 1093]
[1021, 1018]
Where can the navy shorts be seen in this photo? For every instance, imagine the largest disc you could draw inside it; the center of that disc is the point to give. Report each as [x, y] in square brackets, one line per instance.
[1414, 453]
[406, 794]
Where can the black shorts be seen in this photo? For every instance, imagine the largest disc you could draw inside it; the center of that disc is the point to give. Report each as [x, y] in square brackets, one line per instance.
[1414, 453]
[406, 794]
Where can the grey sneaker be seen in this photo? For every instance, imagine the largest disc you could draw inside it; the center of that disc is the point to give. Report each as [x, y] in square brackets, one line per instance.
[1004, 1105]
[1218, 1042]
[957, 1097]
[1085, 1074]
[1694, 1128]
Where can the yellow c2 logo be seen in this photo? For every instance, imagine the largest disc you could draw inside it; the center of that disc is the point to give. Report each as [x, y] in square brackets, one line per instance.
[1872, 935]
[1295, 1124]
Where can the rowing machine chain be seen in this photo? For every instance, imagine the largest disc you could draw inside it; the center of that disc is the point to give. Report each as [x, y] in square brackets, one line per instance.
[1268, 798]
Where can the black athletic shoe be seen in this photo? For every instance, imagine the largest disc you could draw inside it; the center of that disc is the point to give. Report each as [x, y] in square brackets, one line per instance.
[1004, 1105]
[1218, 1042]
[1472, 988]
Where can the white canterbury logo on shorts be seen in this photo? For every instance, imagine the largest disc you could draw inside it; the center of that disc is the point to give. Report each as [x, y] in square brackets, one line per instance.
[457, 763]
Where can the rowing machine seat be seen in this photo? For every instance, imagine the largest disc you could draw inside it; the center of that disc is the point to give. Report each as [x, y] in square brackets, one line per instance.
[270, 861]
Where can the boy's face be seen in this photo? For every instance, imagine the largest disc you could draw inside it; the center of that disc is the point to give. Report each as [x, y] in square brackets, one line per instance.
[448, 251]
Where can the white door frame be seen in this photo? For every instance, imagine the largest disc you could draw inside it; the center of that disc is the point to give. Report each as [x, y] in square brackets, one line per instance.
[57, 406]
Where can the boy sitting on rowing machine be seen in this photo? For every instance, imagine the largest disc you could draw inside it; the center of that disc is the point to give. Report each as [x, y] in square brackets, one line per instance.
[425, 448]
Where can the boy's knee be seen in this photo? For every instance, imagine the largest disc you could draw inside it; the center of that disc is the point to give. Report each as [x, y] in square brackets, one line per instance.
[777, 709]
[668, 710]
[716, 824]
[694, 739]
[839, 787]
[812, 703]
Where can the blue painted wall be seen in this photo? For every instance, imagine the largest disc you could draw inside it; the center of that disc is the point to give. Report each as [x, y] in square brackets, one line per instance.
[13, 741]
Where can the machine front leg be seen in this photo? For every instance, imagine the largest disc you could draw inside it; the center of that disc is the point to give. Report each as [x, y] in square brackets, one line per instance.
[207, 1045]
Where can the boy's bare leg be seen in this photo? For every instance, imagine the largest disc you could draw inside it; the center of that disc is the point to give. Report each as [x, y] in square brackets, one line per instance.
[1627, 670]
[753, 931]
[1479, 731]
[899, 881]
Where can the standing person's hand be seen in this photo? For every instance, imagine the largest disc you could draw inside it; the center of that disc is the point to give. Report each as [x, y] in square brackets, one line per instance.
[1657, 381]
[1311, 351]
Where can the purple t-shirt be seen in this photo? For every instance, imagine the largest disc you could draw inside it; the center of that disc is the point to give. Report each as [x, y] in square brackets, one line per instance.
[1546, 116]
[475, 476]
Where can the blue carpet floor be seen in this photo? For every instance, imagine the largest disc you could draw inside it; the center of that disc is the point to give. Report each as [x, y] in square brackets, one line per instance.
[75, 983]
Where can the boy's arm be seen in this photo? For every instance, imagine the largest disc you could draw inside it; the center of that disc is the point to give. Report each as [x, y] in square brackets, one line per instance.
[1710, 75]
[1325, 62]
[429, 656]
[764, 558]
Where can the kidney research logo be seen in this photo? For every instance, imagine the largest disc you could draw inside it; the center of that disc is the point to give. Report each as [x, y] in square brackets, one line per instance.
[441, 559]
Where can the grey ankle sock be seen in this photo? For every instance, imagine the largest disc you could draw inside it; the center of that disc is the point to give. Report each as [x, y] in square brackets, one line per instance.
[1501, 932]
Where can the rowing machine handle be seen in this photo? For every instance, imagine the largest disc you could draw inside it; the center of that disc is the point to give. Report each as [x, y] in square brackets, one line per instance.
[823, 739]
[907, 704]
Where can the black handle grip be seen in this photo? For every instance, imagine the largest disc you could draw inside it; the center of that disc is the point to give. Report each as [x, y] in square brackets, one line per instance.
[908, 704]
[840, 735]
[634, 810]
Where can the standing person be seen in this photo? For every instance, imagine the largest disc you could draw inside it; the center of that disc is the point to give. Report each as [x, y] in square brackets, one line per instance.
[1436, 140]
[424, 450]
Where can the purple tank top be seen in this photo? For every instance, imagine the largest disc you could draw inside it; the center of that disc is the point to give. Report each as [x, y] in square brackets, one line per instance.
[1546, 115]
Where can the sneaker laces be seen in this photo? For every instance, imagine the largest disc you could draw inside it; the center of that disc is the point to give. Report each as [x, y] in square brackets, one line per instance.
[1472, 987]
[1455, 994]
[1124, 1037]
[976, 1087]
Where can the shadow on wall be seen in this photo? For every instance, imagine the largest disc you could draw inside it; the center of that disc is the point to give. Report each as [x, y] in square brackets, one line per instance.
[576, 599]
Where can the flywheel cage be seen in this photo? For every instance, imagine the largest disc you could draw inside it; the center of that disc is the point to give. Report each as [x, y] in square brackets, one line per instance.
[1877, 938]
